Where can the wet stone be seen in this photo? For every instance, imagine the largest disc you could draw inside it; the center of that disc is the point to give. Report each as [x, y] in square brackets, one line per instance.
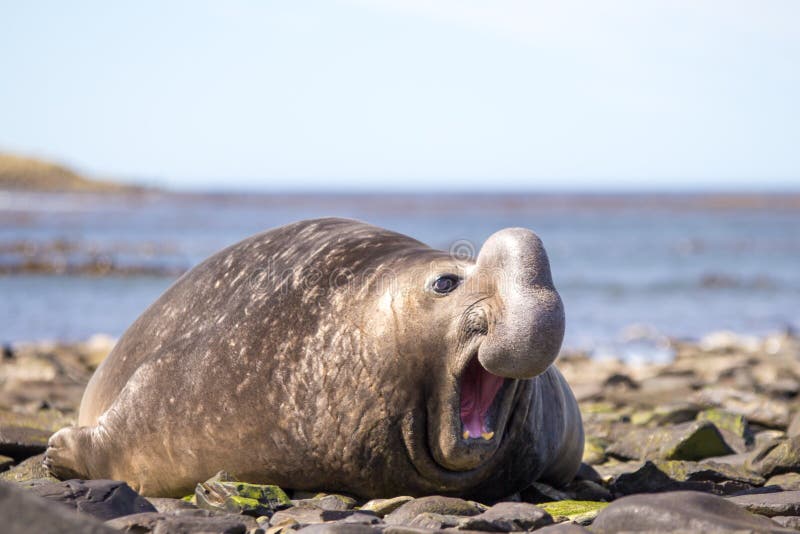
[508, 517]
[539, 492]
[563, 528]
[434, 521]
[766, 437]
[688, 441]
[21, 442]
[610, 471]
[285, 525]
[382, 507]
[731, 422]
[788, 521]
[786, 481]
[581, 512]
[28, 470]
[48, 420]
[594, 451]
[709, 470]
[23, 512]
[329, 502]
[337, 528]
[587, 490]
[306, 514]
[434, 504]
[687, 511]
[667, 414]
[188, 521]
[587, 472]
[757, 408]
[165, 504]
[776, 457]
[103, 499]
[770, 504]
[658, 477]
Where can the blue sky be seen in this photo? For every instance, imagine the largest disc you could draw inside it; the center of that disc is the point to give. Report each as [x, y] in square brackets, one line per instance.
[409, 94]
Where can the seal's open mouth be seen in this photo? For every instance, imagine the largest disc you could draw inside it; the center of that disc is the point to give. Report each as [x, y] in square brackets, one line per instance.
[479, 393]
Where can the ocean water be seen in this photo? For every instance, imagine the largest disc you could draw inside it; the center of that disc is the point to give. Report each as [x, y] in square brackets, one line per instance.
[631, 269]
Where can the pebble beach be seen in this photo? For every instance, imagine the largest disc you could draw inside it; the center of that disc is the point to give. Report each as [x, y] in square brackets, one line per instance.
[709, 441]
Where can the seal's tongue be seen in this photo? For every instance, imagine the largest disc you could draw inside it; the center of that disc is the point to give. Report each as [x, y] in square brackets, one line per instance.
[478, 390]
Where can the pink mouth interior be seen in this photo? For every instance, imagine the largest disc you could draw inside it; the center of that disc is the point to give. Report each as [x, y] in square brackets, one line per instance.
[479, 387]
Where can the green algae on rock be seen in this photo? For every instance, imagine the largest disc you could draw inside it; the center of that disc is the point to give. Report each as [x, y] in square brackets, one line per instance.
[332, 501]
[30, 471]
[776, 457]
[733, 422]
[576, 511]
[222, 494]
[594, 450]
[383, 507]
[689, 441]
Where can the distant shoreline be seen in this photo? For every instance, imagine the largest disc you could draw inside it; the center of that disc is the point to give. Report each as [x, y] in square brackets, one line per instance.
[23, 173]
[433, 201]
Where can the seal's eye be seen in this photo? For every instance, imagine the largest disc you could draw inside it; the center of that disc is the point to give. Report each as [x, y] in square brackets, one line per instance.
[445, 283]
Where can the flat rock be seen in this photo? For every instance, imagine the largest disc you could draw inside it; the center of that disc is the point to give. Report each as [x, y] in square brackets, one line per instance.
[28, 470]
[183, 522]
[21, 442]
[336, 528]
[755, 407]
[329, 502]
[687, 441]
[539, 492]
[433, 504]
[434, 521]
[737, 460]
[508, 517]
[563, 528]
[25, 513]
[709, 470]
[776, 457]
[587, 490]
[102, 499]
[786, 481]
[587, 472]
[651, 477]
[667, 414]
[788, 521]
[610, 471]
[770, 504]
[307, 514]
[735, 423]
[594, 451]
[687, 511]
[382, 507]
[766, 437]
[165, 504]
[582, 512]
[43, 419]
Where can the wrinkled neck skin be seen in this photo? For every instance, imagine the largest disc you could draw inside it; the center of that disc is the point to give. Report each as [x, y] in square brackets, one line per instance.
[464, 430]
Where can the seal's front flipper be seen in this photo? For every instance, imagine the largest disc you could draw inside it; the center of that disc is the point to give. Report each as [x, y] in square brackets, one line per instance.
[67, 451]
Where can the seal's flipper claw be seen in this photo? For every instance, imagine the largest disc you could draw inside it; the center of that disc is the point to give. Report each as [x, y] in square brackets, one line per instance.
[63, 457]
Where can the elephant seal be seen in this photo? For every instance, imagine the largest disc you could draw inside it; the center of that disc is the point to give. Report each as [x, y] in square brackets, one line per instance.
[333, 355]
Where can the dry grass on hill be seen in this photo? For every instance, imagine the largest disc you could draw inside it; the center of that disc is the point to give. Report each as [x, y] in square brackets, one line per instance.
[30, 174]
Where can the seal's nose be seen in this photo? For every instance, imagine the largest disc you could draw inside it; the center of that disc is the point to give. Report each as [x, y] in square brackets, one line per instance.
[527, 328]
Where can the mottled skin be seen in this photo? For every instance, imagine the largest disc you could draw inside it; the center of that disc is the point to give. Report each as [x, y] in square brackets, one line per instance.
[316, 356]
